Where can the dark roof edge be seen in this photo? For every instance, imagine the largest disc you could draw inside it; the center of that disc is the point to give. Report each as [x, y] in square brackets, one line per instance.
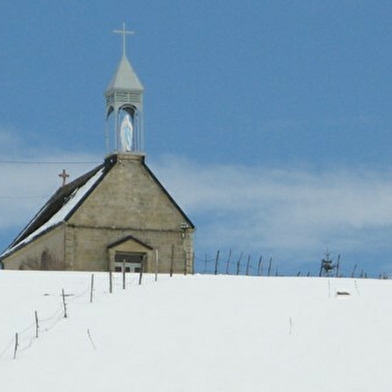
[21, 235]
[113, 159]
[30, 227]
[191, 225]
[107, 165]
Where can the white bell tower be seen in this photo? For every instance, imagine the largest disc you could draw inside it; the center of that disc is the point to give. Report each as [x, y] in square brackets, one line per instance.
[124, 106]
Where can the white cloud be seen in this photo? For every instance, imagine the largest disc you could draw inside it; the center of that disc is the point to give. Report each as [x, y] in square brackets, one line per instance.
[288, 212]
[25, 187]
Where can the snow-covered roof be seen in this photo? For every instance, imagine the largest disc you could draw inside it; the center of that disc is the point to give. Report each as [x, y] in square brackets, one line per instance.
[68, 198]
[58, 209]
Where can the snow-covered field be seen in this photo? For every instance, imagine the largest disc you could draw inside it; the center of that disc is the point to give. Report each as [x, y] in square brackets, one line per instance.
[195, 333]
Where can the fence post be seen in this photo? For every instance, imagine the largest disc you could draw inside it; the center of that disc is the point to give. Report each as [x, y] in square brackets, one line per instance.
[216, 262]
[64, 304]
[247, 266]
[269, 266]
[228, 263]
[353, 273]
[156, 265]
[260, 266]
[141, 274]
[123, 273]
[338, 266]
[36, 324]
[239, 264]
[91, 288]
[172, 260]
[16, 344]
[110, 281]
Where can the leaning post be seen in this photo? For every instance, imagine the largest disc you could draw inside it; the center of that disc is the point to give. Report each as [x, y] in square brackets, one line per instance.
[156, 265]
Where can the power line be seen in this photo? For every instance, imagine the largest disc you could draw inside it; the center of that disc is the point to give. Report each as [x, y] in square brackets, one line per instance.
[49, 162]
[21, 197]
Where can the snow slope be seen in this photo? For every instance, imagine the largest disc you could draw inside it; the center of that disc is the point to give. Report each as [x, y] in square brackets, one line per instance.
[195, 333]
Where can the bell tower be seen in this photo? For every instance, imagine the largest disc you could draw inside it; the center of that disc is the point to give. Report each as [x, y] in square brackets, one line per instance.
[124, 106]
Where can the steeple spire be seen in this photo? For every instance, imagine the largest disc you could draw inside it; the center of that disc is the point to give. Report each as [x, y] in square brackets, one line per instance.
[124, 104]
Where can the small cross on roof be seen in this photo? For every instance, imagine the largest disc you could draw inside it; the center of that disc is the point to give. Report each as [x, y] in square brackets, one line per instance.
[64, 175]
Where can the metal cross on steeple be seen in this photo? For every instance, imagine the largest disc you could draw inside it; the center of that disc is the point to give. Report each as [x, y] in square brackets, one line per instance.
[124, 33]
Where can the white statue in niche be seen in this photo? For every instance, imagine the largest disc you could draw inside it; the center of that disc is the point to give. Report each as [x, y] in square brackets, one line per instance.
[126, 133]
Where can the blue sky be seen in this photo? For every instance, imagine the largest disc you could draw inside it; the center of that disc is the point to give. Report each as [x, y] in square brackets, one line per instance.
[269, 121]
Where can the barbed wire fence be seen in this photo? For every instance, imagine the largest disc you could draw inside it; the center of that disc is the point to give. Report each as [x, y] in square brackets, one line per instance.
[94, 290]
[239, 264]
[247, 264]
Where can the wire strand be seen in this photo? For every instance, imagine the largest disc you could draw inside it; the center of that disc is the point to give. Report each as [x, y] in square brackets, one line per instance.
[48, 162]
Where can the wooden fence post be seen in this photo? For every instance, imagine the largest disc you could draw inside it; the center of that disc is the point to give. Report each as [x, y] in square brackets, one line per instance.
[141, 274]
[216, 263]
[123, 273]
[16, 344]
[91, 288]
[228, 263]
[247, 266]
[36, 324]
[269, 266]
[110, 282]
[338, 266]
[239, 264]
[353, 273]
[156, 265]
[64, 304]
[172, 260]
[260, 266]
